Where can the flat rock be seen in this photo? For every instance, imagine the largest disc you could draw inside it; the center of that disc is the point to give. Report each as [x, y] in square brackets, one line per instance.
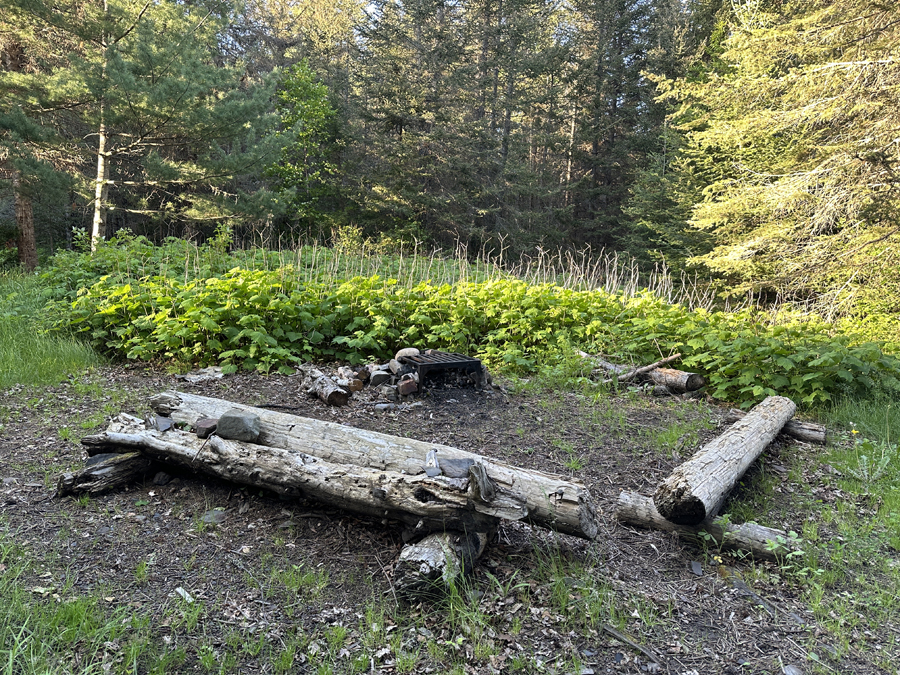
[206, 427]
[407, 351]
[239, 425]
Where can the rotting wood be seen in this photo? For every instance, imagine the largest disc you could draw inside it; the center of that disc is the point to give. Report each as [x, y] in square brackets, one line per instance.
[427, 503]
[696, 490]
[765, 543]
[437, 562]
[112, 473]
[547, 500]
[317, 383]
[802, 431]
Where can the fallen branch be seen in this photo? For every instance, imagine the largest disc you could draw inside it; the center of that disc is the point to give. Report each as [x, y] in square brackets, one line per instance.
[764, 543]
[635, 372]
[540, 498]
[696, 490]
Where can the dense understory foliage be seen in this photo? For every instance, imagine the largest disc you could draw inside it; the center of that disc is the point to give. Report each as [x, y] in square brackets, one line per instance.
[270, 319]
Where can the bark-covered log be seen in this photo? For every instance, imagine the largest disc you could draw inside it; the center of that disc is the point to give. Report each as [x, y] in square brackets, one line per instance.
[697, 489]
[316, 383]
[540, 498]
[676, 380]
[764, 543]
[427, 503]
[435, 563]
[802, 431]
[114, 472]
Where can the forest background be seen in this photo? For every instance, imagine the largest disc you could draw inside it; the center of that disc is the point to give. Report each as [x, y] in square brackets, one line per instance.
[754, 142]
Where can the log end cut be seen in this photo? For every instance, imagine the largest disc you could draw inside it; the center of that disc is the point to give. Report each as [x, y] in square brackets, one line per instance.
[679, 506]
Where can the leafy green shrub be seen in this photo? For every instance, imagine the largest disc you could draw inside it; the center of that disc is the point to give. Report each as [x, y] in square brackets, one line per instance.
[272, 319]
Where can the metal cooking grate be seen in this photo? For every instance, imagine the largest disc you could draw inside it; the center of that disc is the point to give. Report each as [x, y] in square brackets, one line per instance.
[441, 361]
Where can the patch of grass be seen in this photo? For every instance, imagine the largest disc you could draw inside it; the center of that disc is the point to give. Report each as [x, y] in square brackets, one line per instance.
[301, 580]
[28, 354]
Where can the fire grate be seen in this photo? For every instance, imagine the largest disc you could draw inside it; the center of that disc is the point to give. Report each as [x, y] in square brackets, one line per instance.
[434, 360]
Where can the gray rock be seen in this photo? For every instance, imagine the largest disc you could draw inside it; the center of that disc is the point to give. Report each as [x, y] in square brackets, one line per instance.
[379, 377]
[408, 351]
[162, 478]
[216, 516]
[239, 425]
[389, 392]
[395, 366]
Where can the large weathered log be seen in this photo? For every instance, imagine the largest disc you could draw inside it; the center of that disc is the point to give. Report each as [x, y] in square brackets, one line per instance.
[764, 543]
[316, 383]
[428, 503]
[676, 380]
[802, 431]
[697, 489]
[540, 498]
[438, 561]
[113, 472]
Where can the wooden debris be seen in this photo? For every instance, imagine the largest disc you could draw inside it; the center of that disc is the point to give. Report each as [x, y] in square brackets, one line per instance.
[696, 490]
[677, 381]
[427, 503]
[765, 543]
[540, 498]
[111, 473]
[316, 383]
[435, 563]
[802, 431]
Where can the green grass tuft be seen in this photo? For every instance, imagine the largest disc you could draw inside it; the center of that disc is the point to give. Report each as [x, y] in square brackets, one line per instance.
[29, 355]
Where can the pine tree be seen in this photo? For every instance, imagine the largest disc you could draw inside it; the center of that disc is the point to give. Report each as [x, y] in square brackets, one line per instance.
[797, 141]
[163, 118]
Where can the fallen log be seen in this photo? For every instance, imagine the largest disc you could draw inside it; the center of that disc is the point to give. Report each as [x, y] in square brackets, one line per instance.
[625, 374]
[678, 381]
[696, 490]
[113, 472]
[802, 431]
[539, 498]
[764, 543]
[436, 563]
[317, 383]
[428, 503]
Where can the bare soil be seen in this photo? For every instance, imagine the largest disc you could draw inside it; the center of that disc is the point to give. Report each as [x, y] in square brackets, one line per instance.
[137, 547]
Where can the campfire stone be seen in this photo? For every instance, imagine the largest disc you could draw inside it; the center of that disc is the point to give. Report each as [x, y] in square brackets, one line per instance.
[408, 351]
[206, 427]
[239, 425]
[379, 377]
[395, 366]
[389, 392]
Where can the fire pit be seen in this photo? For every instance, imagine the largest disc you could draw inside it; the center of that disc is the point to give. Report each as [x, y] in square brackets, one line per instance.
[435, 360]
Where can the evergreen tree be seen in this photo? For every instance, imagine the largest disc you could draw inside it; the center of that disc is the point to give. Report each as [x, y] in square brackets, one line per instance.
[797, 141]
[163, 118]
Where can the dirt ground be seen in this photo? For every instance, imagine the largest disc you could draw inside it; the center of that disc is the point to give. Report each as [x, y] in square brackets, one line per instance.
[147, 546]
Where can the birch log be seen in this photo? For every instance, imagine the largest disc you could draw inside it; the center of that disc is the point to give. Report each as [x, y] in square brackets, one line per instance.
[317, 383]
[802, 431]
[677, 380]
[765, 543]
[542, 499]
[696, 490]
[426, 503]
